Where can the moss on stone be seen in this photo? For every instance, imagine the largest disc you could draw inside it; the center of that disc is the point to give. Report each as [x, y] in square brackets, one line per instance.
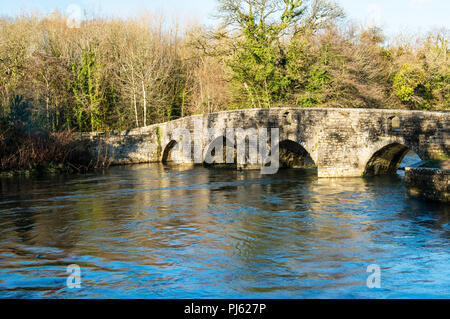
[158, 136]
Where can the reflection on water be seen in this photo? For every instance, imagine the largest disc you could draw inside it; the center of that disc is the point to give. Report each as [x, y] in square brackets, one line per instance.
[163, 232]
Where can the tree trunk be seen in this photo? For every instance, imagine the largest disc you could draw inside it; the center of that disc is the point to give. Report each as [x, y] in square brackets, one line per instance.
[145, 103]
[47, 101]
[135, 109]
[134, 97]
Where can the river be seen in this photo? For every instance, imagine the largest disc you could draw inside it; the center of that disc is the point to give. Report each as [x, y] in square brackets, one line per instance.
[153, 231]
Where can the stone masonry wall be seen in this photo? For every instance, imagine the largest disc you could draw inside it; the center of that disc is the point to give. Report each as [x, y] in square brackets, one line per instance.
[340, 141]
[428, 183]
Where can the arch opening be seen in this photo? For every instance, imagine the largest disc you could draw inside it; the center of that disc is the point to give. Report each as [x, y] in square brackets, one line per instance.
[395, 123]
[174, 154]
[390, 159]
[168, 152]
[293, 155]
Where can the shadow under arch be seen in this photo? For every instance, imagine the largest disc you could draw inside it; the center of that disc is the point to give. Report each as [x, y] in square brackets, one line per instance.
[387, 160]
[168, 152]
[294, 155]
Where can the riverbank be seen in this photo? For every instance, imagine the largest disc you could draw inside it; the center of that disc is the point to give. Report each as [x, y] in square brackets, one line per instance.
[29, 152]
[438, 164]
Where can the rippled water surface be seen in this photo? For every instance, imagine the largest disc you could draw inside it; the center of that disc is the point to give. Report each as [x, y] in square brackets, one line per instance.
[163, 232]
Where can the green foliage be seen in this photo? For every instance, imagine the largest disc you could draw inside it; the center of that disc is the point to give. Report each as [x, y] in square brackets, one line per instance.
[309, 100]
[158, 137]
[114, 74]
[87, 92]
[317, 78]
[259, 62]
[424, 81]
[409, 80]
[257, 67]
[20, 113]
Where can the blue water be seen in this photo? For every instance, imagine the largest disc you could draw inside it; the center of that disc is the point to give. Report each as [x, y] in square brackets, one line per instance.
[152, 231]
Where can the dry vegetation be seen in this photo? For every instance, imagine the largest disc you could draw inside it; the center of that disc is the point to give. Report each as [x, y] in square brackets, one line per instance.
[116, 74]
[42, 151]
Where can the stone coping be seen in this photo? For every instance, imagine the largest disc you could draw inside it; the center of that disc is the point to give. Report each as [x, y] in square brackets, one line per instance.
[146, 129]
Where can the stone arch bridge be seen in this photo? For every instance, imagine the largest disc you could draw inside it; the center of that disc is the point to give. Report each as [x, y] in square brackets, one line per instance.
[339, 142]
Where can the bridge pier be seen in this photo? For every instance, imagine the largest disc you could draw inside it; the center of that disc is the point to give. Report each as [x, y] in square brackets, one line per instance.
[327, 172]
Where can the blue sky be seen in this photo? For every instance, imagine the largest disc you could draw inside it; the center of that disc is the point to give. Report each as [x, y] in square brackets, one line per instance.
[406, 16]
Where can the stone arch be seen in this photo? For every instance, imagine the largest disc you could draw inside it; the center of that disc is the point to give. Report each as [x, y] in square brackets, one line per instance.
[172, 154]
[294, 155]
[387, 159]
